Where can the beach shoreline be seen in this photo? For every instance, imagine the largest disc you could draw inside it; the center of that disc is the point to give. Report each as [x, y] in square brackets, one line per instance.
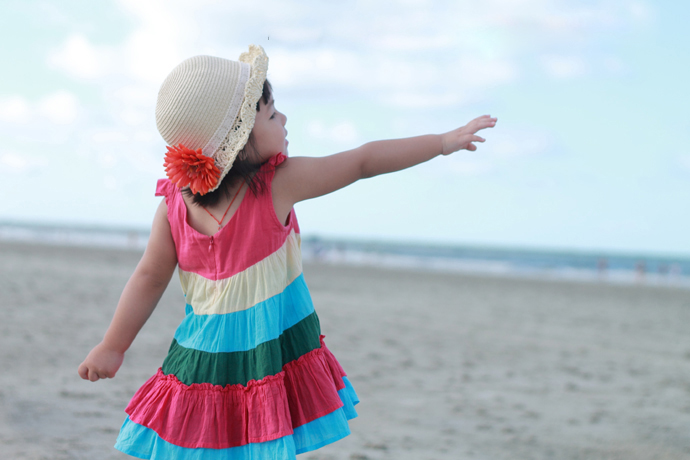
[589, 266]
[447, 365]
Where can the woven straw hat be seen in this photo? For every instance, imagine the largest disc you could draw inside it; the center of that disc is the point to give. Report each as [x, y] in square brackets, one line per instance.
[209, 103]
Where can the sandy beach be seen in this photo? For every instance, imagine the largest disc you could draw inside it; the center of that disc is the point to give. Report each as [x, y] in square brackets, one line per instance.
[447, 366]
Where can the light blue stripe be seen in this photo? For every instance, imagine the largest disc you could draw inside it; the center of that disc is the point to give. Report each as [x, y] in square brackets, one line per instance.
[244, 330]
[139, 441]
[349, 398]
[329, 428]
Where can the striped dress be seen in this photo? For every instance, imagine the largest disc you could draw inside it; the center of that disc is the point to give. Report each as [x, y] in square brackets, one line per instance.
[248, 375]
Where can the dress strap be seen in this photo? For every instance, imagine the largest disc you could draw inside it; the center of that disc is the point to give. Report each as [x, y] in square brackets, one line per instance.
[268, 170]
[276, 159]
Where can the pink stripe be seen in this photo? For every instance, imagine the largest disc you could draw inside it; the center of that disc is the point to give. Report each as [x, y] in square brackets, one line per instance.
[234, 248]
[212, 416]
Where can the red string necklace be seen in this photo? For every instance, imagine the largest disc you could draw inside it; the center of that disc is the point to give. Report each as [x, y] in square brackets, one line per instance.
[220, 222]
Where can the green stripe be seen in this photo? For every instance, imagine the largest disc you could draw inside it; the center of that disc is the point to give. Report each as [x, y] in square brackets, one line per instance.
[195, 366]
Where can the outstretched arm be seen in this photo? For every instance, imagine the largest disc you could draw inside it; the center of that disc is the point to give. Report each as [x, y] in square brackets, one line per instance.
[139, 297]
[302, 178]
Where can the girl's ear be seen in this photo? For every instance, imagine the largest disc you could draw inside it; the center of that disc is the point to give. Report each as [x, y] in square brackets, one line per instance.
[249, 152]
[246, 152]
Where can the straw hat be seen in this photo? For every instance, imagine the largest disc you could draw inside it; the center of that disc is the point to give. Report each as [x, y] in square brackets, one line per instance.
[206, 110]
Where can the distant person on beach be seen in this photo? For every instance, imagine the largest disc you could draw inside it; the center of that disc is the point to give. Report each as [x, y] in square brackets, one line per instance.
[640, 269]
[248, 375]
[602, 266]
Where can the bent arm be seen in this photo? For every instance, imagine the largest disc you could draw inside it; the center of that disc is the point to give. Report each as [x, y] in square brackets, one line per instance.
[138, 300]
[146, 285]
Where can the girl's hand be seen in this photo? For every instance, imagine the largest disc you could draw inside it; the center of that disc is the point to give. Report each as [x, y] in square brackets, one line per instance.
[101, 363]
[462, 138]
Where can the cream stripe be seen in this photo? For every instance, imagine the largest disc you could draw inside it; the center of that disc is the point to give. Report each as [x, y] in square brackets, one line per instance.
[257, 283]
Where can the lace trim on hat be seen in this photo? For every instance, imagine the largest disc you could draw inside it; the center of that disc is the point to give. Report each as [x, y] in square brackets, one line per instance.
[221, 133]
[244, 123]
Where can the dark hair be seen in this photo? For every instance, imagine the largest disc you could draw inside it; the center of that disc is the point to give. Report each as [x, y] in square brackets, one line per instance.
[242, 169]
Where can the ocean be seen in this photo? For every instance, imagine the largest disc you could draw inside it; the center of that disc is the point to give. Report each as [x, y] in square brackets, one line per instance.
[576, 266]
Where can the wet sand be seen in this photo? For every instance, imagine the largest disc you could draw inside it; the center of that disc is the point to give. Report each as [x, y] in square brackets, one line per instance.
[447, 366]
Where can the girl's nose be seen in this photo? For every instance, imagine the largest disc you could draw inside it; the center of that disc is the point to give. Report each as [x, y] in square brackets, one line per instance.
[284, 118]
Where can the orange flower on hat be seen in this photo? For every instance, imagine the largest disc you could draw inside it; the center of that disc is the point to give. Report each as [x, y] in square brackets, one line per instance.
[191, 167]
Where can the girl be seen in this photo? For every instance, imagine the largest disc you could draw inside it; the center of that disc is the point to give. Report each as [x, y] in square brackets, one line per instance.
[248, 374]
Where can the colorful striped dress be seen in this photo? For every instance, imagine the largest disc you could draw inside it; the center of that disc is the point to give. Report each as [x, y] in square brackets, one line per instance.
[248, 375]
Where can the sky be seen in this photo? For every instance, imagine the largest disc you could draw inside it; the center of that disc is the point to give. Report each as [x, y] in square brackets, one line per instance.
[591, 151]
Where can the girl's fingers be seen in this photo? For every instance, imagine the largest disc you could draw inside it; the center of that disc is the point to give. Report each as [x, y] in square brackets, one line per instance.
[482, 123]
[93, 376]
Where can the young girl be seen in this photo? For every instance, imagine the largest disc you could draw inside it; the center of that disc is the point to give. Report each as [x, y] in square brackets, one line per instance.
[248, 375]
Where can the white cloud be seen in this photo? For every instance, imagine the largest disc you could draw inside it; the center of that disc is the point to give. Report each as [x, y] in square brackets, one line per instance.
[166, 31]
[296, 34]
[559, 18]
[14, 162]
[18, 163]
[564, 66]
[403, 42]
[403, 81]
[14, 109]
[343, 132]
[422, 54]
[410, 54]
[147, 54]
[133, 104]
[424, 100]
[107, 159]
[133, 117]
[109, 137]
[419, 45]
[502, 148]
[60, 107]
[467, 168]
[641, 12]
[614, 65]
[300, 67]
[81, 59]
[684, 161]
[512, 143]
[110, 182]
[474, 72]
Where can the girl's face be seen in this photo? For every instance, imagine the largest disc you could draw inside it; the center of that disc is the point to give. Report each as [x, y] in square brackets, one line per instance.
[269, 131]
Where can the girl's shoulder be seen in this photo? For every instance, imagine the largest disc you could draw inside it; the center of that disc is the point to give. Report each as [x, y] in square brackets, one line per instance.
[173, 201]
[281, 203]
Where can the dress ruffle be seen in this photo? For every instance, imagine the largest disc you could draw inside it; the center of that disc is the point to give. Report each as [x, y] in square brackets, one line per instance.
[143, 442]
[202, 415]
[275, 160]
